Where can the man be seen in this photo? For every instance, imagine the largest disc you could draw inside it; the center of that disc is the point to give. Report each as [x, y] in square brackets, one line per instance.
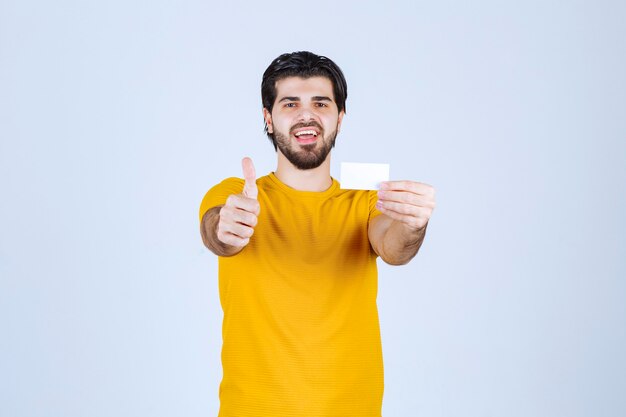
[297, 259]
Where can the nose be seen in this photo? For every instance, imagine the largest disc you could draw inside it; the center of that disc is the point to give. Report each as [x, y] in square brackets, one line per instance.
[306, 114]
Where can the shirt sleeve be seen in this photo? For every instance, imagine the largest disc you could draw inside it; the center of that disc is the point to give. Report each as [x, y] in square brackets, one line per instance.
[217, 195]
[373, 199]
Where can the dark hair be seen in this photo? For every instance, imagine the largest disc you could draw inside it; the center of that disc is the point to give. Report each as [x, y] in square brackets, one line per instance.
[305, 65]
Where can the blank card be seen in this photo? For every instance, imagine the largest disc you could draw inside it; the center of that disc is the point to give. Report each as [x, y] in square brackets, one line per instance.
[358, 176]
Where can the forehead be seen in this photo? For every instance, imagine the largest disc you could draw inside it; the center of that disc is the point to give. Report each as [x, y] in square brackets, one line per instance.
[304, 87]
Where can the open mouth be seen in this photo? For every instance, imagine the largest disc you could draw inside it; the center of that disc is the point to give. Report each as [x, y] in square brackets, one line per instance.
[305, 136]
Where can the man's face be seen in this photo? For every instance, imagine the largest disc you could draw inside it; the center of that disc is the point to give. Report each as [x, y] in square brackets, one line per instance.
[304, 120]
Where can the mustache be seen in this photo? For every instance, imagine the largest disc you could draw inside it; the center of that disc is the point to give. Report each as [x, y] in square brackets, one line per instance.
[309, 124]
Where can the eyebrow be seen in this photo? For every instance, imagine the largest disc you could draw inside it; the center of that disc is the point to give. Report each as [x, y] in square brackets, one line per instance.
[314, 98]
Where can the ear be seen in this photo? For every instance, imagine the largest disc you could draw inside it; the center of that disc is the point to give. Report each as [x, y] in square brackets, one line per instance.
[341, 114]
[268, 120]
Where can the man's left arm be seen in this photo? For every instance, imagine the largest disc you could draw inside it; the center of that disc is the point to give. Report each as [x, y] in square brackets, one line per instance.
[398, 233]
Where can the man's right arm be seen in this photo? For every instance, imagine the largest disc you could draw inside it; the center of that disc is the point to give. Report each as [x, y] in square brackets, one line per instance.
[208, 230]
[226, 229]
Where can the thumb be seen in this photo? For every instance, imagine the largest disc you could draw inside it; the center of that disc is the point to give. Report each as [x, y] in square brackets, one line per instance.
[250, 189]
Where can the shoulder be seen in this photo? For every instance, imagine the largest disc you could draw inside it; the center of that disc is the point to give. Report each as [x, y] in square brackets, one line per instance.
[228, 186]
[229, 182]
[218, 194]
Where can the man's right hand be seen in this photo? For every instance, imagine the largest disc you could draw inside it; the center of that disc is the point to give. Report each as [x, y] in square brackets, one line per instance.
[239, 215]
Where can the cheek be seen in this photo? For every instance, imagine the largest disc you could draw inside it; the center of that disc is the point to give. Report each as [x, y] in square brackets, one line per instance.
[330, 123]
[283, 125]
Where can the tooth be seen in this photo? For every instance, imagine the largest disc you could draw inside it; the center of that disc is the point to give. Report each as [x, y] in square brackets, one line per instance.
[307, 132]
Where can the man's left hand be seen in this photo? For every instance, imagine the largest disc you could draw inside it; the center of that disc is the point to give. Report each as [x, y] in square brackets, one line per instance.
[409, 202]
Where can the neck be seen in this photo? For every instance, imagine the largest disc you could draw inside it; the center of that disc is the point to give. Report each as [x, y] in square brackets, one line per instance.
[316, 179]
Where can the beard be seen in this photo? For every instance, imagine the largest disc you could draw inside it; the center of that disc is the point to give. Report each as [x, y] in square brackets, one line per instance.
[307, 156]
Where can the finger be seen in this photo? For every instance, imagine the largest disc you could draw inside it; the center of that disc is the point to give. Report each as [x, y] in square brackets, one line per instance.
[232, 215]
[400, 208]
[232, 240]
[237, 229]
[407, 198]
[250, 189]
[234, 233]
[399, 196]
[411, 186]
[410, 220]
[237, 201]
[245, 218]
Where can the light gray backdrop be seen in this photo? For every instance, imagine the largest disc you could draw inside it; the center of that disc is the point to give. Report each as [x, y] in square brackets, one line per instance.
[116, 117]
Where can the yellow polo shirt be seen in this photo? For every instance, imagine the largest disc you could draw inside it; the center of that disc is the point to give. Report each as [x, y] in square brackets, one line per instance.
[300, 333]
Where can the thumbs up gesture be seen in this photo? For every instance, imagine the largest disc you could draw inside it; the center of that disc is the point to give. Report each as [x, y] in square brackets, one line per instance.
[249, 188]
[239, 215]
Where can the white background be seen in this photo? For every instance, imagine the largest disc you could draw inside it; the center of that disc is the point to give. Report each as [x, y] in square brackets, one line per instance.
[116, 117]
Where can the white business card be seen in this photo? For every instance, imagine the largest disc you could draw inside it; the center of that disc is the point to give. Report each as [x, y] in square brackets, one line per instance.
[359, 176]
